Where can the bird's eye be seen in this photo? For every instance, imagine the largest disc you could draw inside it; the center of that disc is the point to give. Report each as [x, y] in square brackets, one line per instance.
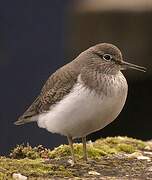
[107, 57]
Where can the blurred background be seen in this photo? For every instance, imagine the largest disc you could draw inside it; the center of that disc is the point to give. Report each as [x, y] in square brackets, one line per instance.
[37, 37]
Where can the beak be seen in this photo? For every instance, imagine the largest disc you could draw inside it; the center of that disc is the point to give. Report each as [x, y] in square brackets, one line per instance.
[126, 65]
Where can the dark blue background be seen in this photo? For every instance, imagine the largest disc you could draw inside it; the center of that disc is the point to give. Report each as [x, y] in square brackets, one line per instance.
[31, 48]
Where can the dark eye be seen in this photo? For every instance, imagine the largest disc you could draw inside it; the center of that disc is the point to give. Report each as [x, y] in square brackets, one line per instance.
[107, 57]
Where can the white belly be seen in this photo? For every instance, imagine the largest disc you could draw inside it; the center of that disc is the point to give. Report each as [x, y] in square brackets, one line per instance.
[82, 111]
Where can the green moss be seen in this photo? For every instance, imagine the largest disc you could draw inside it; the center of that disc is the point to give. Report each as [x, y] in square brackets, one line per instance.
[126, 148]
[31, 161]
[113, 145]
[95, 152]
[63, 150]
[30, 168]
[101, 147]
[2, 176]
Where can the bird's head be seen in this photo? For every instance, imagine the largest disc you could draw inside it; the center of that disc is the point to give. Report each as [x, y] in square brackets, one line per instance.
[109, 58]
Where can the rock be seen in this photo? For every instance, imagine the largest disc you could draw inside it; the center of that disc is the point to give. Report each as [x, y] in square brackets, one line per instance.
[18, 176]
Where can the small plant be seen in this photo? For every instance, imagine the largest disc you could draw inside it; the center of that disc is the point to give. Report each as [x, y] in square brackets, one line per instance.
[22, 151]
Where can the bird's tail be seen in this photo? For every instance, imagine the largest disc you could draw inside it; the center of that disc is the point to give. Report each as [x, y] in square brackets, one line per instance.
[25, 119]
[30, 115]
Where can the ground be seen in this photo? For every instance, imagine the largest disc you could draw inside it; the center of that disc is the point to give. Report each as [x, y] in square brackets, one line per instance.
[111, 158]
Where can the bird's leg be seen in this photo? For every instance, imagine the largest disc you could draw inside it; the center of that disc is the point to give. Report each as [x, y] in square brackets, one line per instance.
[84, 148]
[70, 140]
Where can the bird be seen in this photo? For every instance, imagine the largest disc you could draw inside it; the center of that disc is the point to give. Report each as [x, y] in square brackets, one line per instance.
[82, 96]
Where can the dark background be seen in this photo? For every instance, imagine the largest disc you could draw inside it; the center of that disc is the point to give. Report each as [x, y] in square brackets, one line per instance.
[37, 37]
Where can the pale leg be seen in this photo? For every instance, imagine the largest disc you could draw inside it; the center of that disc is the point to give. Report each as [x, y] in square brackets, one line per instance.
[84, 148]
[71, 147]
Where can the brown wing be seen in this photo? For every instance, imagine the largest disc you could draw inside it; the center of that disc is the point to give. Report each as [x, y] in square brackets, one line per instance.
[56, 87]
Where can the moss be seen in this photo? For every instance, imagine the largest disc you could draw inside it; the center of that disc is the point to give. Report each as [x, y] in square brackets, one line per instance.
[30, 168]
[31, 162]
[2, 176]
[95, 152]
[22, 151]
[101, 147]
[63, 150]
[126, 148]
[114, 145]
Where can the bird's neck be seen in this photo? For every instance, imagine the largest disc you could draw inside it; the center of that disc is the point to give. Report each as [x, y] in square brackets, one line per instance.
[102, 82]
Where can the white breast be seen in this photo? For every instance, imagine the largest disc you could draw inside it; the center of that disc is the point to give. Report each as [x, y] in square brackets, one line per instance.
[83, 111]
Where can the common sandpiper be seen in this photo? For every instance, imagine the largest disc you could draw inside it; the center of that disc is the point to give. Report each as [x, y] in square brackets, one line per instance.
[83, 96]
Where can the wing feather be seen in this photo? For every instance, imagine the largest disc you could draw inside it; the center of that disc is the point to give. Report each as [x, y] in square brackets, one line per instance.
[56, 87]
